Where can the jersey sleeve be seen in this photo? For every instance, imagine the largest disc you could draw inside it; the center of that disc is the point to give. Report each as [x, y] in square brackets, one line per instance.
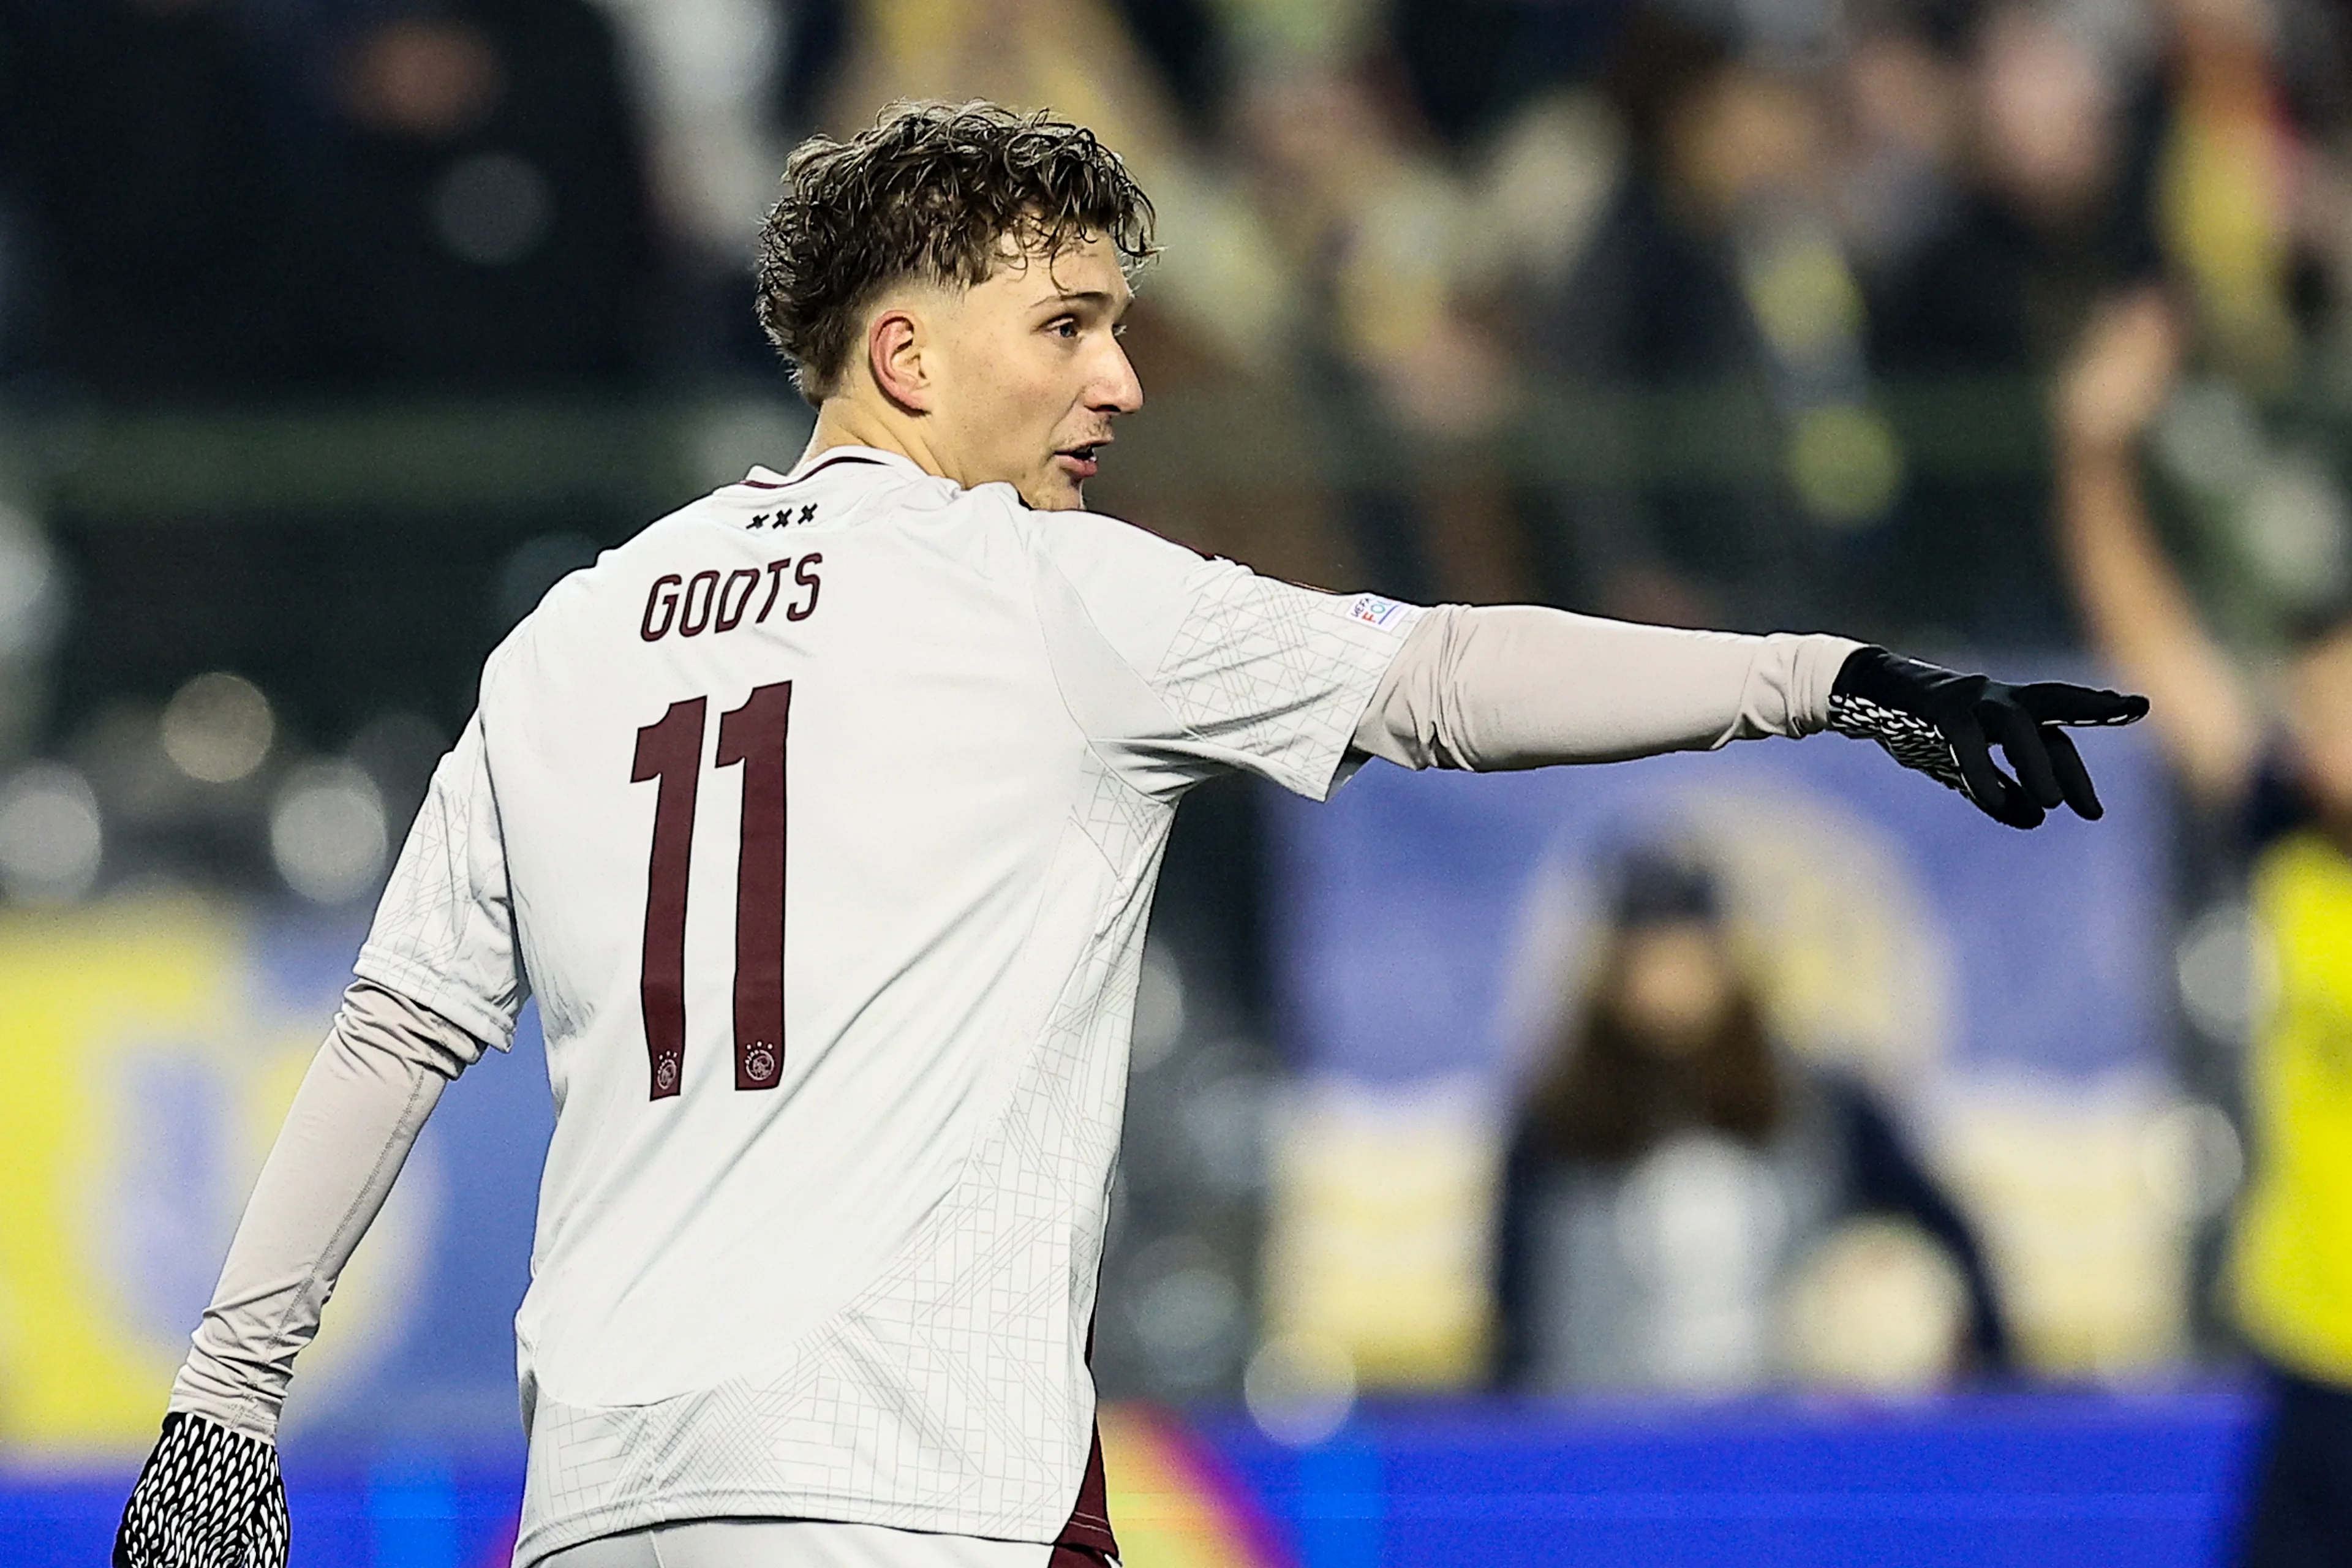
[1179, 666]
[444, 934]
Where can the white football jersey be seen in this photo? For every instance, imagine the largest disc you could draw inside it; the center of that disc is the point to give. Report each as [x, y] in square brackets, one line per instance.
[822, 818]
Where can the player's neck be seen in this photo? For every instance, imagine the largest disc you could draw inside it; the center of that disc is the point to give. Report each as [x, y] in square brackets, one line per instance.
[847, 422]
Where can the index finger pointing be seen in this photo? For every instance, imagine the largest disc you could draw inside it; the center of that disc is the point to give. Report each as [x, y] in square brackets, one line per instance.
[2060, 702]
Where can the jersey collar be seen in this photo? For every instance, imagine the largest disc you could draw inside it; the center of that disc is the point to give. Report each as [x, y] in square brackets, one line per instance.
[764, 478]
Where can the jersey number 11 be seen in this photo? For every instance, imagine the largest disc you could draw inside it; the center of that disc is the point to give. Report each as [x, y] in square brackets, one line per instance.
[670, 750]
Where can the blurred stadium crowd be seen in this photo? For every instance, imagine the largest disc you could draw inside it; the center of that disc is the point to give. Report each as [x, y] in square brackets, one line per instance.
[1731, 311]
[332, 332]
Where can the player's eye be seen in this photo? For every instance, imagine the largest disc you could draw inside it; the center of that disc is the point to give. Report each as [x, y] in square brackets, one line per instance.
[1063, 326]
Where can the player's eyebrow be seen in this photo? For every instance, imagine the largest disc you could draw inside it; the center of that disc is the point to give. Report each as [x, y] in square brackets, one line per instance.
[1102, 299]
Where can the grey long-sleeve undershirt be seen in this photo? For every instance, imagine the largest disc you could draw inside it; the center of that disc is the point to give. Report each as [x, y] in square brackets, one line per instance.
[1480, 689]
[371, 1086]
[1513, 686]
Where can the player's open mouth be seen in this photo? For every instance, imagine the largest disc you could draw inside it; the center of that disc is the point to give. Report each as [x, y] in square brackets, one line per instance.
[1081, 461]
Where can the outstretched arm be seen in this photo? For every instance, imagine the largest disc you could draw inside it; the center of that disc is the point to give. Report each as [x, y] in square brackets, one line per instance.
[2137, 612]
[1513, 686]
[211, 1483]
[1516, 687]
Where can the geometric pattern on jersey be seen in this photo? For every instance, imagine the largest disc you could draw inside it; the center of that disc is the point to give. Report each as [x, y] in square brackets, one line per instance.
[921, 1405]
[1250, 647]
[441, 937]
[209, 1497]
[430, 933]
[1908, 739]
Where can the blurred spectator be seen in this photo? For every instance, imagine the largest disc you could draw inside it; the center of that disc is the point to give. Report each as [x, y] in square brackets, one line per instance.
[150, 154]
[1351, 196]
[711, 76]
[1388, 238]
[1475, 66]
[493, 213]
[1687, 1208]
[2014, 216]
[1714, 294]
[726, 87]
[2285, 775]
[1998, 198]
[2231, 157]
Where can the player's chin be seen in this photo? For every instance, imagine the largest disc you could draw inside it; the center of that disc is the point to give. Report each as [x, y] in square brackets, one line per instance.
[1060, 488]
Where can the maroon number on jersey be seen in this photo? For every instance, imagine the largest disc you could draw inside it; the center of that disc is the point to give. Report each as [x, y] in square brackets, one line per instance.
[670, 750]
[753, 737]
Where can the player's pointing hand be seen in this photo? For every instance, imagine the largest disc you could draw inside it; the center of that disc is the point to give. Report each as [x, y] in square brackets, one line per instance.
[1945, 724]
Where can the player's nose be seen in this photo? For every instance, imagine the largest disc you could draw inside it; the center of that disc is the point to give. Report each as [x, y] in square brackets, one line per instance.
[1116, 388]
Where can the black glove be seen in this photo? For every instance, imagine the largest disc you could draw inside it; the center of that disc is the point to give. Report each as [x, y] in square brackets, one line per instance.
[1945, 724]
[209, 1498]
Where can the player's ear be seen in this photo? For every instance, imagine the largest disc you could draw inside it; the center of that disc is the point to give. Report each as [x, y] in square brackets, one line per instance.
[894, 353]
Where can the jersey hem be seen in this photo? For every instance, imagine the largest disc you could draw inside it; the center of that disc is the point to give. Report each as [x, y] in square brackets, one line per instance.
[682, 1507]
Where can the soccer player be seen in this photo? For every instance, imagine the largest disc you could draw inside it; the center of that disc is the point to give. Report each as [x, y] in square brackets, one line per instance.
[823, 819]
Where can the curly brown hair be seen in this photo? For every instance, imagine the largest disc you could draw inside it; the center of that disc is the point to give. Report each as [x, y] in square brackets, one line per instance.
[931, 191]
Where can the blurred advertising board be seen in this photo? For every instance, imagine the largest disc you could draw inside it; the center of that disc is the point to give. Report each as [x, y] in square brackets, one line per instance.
[151, 1044]
[2006, 992]
[1177, 1499]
